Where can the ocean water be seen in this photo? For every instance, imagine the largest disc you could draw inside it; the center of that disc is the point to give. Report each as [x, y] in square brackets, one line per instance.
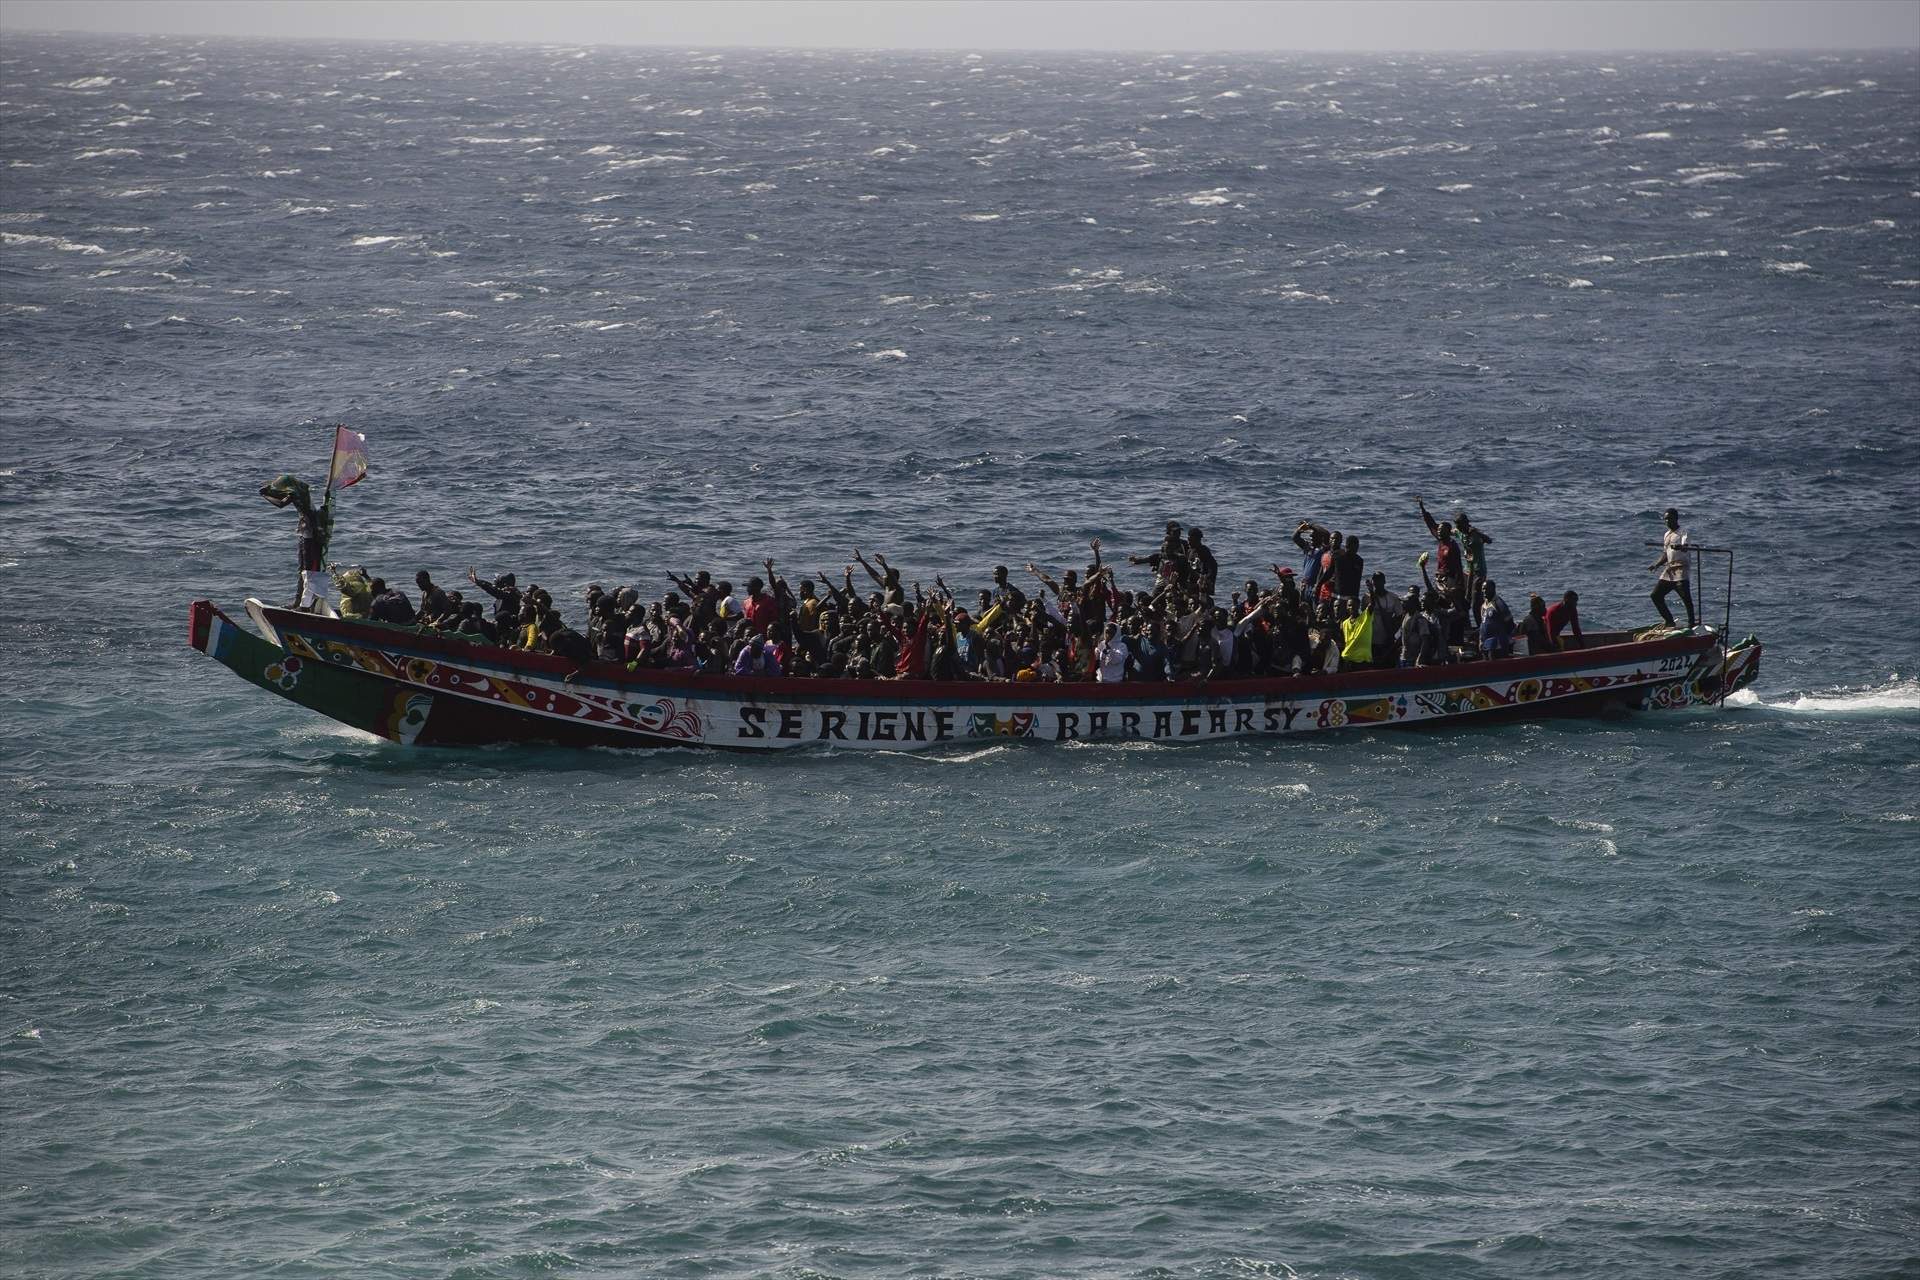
[1625, 997]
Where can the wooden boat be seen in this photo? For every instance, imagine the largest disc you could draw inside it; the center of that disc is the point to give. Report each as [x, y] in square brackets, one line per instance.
[422, 688]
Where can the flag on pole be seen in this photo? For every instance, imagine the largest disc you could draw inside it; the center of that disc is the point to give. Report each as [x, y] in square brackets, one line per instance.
[349, 459]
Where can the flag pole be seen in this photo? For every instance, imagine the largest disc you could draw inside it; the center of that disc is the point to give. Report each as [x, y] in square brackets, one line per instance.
[333, 460]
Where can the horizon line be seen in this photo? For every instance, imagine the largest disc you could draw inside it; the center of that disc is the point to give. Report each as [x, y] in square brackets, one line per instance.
[515, 43]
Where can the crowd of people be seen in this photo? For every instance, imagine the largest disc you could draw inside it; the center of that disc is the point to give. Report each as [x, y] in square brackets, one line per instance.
[1323, 613]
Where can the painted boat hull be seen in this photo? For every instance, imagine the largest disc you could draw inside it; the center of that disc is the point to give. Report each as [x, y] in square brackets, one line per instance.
[420, 688]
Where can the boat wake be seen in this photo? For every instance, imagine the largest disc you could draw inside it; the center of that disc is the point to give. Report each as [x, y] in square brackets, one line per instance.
[1898, 697]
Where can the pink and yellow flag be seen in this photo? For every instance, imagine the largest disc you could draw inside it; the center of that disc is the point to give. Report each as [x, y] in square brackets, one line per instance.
[349, 459]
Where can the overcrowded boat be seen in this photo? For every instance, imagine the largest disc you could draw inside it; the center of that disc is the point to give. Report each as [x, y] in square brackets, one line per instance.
[418, 688]
[1082, 658]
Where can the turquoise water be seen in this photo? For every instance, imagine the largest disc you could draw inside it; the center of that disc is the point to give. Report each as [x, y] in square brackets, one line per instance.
[1620, 997]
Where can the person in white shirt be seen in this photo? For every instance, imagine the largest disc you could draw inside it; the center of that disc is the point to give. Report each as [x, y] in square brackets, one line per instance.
[1111, 654]
[1672, 566]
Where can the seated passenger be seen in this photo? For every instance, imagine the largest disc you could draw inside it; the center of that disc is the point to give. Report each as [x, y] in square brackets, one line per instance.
[436, 606]
[563, 641]
[389, 605]
[506, 596]
[1151, 653]
[356, 591]
[755, 659]
[1112, 655]
[473, 624]
[1534, 627]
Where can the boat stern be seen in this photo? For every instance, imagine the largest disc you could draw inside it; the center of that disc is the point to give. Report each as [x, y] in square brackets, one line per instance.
[1717, 673]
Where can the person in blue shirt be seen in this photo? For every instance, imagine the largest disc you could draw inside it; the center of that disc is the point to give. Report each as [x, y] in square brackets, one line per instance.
[1496, 624]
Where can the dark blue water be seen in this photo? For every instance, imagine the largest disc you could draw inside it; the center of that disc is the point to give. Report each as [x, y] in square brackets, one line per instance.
[1628, 997]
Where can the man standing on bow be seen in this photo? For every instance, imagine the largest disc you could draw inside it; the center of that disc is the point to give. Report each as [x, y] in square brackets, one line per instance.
[316, 530]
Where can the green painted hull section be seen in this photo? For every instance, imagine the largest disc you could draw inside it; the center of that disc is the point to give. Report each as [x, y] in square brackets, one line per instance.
[349, 696]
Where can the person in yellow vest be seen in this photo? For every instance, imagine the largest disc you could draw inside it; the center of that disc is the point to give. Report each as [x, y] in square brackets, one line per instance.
[1356, 634]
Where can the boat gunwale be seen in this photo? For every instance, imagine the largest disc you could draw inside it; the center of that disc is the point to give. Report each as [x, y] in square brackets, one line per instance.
[788, 689]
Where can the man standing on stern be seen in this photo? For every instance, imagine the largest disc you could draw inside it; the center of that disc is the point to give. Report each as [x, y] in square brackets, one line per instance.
[1672, 566]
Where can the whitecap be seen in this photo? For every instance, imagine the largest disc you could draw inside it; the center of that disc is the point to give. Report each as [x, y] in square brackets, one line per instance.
[1786, 268]
[1898, 695]
[1681, 257]
[61, 243]
[89, 82]
[1712, 175]
[892, 353]
[980, 217]
[1455, 188]
[107, 153]
[369, 242]
[951, 757]
[1658, 135]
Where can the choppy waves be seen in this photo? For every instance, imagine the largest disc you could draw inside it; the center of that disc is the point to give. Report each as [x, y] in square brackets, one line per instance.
[1621, 997]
